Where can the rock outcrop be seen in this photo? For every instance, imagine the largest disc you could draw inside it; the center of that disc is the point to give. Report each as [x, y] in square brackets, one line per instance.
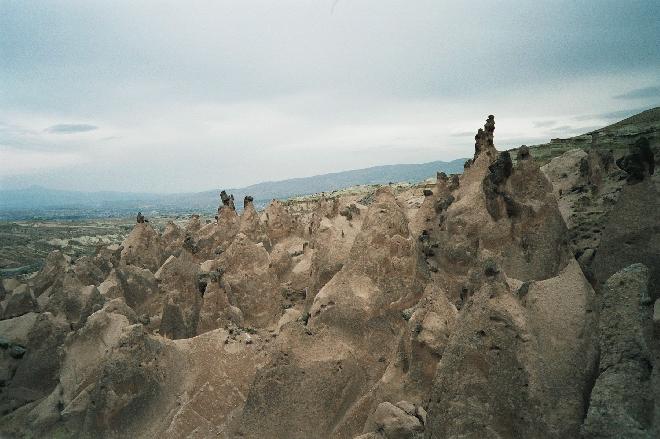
[621, 402]
[183, 299]
[172, 239]
[519, 362]
[639, 162]
[251, 283]
[55, 266]
[631, 234]
[494, 213]
[213, 238]
[391, 421]
[142, 247]
[20, 301]
[251, 226]
[350, 332]
[279, 222]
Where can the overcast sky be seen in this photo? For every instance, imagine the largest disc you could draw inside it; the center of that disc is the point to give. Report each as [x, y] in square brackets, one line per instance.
[177, 96]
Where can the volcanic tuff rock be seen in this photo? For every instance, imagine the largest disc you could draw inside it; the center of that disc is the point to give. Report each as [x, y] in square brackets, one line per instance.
[20, 301]
[142, 247]
[251, 282]
[278, 221]
[171, 238]
[639, 162]
[631, 233]
[394, 422]
[507, 302]
[622, 398]
[251, 226]
[55, 266]
[181, 307]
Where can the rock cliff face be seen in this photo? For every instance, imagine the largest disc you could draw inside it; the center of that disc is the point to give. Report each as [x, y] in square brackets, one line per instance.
[512, 301]
[622, 398]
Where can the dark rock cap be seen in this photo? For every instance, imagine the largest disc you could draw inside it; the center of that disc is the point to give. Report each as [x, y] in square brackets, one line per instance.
[639, 162]
[247, 200]
[523, 153]
[227, 200]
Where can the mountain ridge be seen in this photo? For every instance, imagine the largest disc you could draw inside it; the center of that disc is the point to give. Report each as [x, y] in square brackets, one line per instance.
[37, 197]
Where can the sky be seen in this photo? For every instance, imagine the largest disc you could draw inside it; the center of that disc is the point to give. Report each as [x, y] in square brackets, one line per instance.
[181, 96]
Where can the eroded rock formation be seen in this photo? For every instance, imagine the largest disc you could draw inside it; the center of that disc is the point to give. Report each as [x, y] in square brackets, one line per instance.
[506, 302]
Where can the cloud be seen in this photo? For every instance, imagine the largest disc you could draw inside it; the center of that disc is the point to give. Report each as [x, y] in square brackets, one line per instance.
[569, 130]
[464, 133]
[514, 142]
[35, 161]
[611, 115]
[561, 129]
[70, 128]
[544, 123]
[641, 93]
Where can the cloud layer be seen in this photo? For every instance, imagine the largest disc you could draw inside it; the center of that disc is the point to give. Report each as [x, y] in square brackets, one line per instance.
[70, 128]
[178, 96]
[641, 93]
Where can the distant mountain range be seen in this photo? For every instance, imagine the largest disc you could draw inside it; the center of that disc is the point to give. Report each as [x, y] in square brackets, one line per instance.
[41, 202]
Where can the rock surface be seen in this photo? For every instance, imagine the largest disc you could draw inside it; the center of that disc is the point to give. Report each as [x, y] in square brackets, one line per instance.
[622, 400]
[142, 247]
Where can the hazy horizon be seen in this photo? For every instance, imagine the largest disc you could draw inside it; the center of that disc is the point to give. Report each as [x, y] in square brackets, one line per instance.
[219, 188]
[167, 97]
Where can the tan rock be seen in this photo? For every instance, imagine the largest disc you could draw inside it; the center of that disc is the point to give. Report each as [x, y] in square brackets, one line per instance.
[383, 270]
[215, 312]
[518, 360]
[631, 233]
[622, 396]
[279, 222]
[250, 225]
[17, 329]
[193, 225]
[172, 238]
[290, 315]
[38, 370]
[55, 266]
[21, 301]
[395, 423]
[10, 284]
[251, 284]
[178, 282]
[142, 248]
